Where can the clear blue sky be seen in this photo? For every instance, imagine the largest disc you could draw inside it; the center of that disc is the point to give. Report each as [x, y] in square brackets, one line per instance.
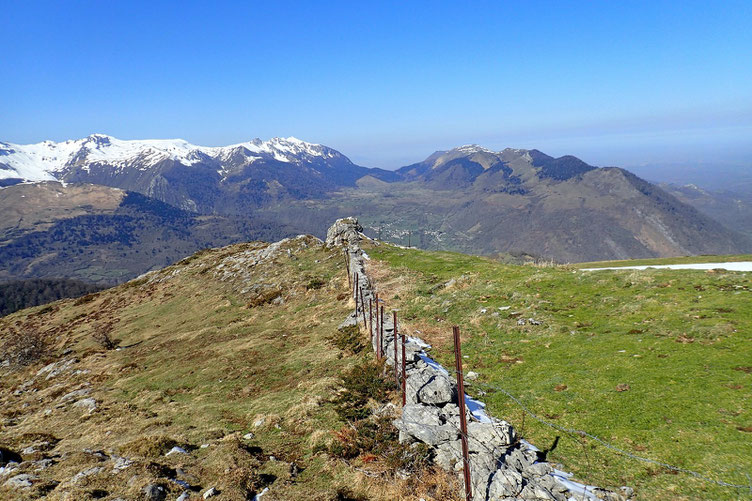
[615, 83]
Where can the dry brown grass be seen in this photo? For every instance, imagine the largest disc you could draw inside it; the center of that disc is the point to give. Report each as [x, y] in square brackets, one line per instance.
[392, 286]
[196, 367]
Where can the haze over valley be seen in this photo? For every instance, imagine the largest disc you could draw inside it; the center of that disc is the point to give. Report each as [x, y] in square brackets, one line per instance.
[512, 202]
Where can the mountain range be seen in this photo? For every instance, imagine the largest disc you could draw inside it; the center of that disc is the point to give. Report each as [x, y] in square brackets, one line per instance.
[229, 179]
[470, 199]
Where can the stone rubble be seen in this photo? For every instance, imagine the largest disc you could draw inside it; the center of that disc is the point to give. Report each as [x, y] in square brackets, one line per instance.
[502, 466]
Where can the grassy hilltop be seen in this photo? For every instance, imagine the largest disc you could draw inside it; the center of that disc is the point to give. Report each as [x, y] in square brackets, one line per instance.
[228, 342]
[655, 362]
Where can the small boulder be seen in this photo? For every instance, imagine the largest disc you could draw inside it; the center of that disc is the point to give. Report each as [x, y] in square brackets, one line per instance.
[75, 394]
[23, 481]
[505, 483]
[211, 492]
[88, 404]
[437, 391]
[154, 492]
[423, 423]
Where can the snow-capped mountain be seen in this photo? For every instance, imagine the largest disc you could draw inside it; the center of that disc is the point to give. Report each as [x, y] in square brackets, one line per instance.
[49, 161]
[208, 179]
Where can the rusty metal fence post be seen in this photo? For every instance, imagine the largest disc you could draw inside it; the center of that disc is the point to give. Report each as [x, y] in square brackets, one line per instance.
[370, 320]
[381, 332]
[355, 292]
[404, 377]
[347, 268]
[463, 418]
[363, 308]
[394, 332]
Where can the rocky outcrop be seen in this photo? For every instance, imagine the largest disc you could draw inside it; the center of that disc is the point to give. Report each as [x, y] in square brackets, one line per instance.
[344, 232]
[502, 466]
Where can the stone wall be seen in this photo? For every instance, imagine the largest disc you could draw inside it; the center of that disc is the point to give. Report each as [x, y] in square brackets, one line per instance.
[502, 466]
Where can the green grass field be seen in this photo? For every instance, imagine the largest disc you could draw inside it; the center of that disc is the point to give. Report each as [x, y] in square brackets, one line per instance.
[678, 344]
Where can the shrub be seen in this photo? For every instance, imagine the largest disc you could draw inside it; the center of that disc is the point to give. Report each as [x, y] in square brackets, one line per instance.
[24, 346]
[315, 283]
[362, 383]
[101, 335]
[348, 339]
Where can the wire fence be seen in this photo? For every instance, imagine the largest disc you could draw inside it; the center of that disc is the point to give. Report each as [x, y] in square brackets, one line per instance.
[376, 317]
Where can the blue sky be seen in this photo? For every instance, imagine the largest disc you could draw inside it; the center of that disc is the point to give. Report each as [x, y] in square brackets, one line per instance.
[615, 83]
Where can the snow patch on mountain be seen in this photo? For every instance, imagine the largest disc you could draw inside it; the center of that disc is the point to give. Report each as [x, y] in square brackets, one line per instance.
[47, 160]
[472, 148]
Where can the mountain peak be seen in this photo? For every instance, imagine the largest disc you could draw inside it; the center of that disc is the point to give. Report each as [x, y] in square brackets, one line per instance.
[45, 160]
[472, 148]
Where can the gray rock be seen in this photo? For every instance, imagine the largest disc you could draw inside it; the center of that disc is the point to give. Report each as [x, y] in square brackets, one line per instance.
[23, 481]
[43, 464]
[9, 467]
[537, 470]
[88, 404]
[437, 391]
[423, 423]
[485, 436]
[448, 454]
[520, 459]
[350, 321]
[248, 436]
[75, 394]
[505, 483]
[86, 473]
[121, 464]
[211, 492]
[176, 450]
[416, 379]
[471, 376]
[557, 490]
[482, 466]
[184, 496]
[154, 492]
[345, 231]
[536, 491]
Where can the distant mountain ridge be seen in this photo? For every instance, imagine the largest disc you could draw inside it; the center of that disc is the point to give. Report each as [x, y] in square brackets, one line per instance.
[46, 160]
[227, 179]
[469, 198]
[513, 201]
[105, 235]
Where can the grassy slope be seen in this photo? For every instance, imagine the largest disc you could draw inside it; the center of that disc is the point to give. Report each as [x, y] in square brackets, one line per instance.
[199, 367]
[680, 340]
